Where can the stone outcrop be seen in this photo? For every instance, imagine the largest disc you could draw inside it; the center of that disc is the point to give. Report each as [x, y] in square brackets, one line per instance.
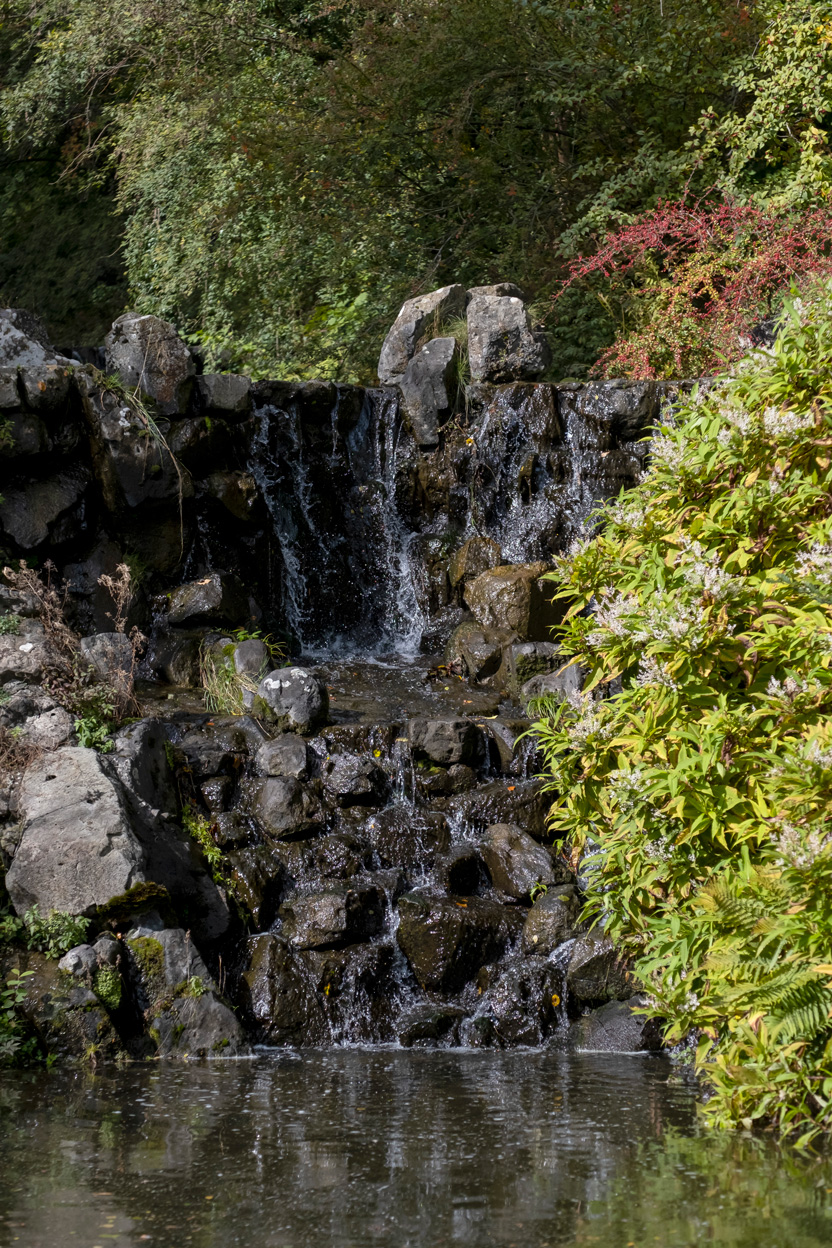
[150, 358]
[411, 325]
[515, 599]
[501, 344]
[428, 389]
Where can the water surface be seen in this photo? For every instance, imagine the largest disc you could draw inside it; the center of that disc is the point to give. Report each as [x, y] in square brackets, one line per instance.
[396, 1149]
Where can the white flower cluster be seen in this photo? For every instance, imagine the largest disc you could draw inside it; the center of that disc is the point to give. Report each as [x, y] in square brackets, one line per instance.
[588, 724]
[666, 619]
[653, 672]
[778, 422]
[668, 452]
[815, 564]
[799, 847]
[631, 518]
[705, 574]
[789, 689]
[820, 758]
[737, 420]
[691, 1003]
[628, 788]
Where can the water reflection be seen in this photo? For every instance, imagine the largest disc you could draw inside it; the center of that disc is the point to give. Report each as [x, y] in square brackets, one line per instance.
[349, 1148]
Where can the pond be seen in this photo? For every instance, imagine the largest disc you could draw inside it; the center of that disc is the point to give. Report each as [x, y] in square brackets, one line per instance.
[387, 1147]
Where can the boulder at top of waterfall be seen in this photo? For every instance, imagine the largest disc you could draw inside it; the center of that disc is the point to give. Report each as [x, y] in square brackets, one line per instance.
[148, 355]
[513, 598]
[427, 389]
[447, 741]
[78, 849]
[515, 861]
[552, 920]
[616, 1028]
[501, 344]
[446, 939]
[294, 698]
[411, 324]
[43, 372]
[218, 598]
[225, 392]
[500, 289]
[475, 556]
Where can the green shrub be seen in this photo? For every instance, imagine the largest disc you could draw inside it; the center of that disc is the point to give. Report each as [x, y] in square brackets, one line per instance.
[108, 987]
[701, 792]
[54, 934]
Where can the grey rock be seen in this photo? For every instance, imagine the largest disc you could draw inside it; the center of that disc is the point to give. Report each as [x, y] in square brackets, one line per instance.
[595, 973]
[80, 961]
[251, 659]
[24, 346]
[225, 392]
[148, 355]
[177, 660]
[524, 659]
[446, 940]
[517, 801]
[447, 741]
[411, 325]
[111, 655]
[502, 289]
[283, 756]
[24, 655]
[34, 513]
[236, 491]
[522, 1001]
[430, 1026]
[501, 344]
[294, 699]
[552, 920]
[476, 555]
[78, 849]
[427, 389]
[512, 598]
[9, 393]
[408, 838]
[218, 598]
[479, 649]
[515, 861]
[51, 729]
[107, 950]
[342, 915]
[559, 684]
[27, 433]
[616, 1028]
[284, 807]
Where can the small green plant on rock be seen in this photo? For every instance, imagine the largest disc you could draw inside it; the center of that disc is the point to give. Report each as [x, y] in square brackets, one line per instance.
[108, 987]
[15, 1047]
[9, 624]
[54, 934]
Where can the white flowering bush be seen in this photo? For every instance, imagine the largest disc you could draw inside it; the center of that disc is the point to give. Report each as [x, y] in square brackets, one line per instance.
[693, 774]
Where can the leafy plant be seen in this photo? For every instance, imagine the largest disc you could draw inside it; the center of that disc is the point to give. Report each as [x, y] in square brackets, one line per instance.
[94, 734]
[701, 794]
[108, 987]
[9, 624]
[14, 1047]
[53, 934]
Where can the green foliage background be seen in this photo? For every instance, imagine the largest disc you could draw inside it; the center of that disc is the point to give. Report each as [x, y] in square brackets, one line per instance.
[277, 177]
[695, 769]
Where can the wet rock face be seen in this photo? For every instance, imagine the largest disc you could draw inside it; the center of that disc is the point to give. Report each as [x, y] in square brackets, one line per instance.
[284, 807]
[552, 920]
[515, 862]
[514, 600]
[427, 389]
[218, 599]
[150, 357]
[616, 1028]
[447, 939]
[447, 741]
[340, 916]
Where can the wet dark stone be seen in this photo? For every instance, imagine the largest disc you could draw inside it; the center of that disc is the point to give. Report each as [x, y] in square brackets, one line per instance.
[358, 987]
[218, 598]
[351, 780]
[231, 829]
[340, 856]
[214, 749]
[516, 862]
[446, 940]
[285, 807]
[430, 1026]
[279, 996]
[616, 1028]
[520, 802]
[216, 793]
[403, 837]
[522, 1003]
[446, 741]
[283, 756]
[462, 871]
[552, 920]
[342, 915]
[259, 881]
[595, 974]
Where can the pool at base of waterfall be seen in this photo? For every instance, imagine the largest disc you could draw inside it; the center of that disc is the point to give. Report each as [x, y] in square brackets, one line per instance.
[393, 1148]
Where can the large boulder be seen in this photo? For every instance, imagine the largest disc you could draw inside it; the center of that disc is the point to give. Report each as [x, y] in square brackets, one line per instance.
[515, 862]
[502, 289]
[413, 323]
[78, 849]
[406, 837]
[284, 807]
[24, 654]
[478, 650]
[427, 389]
[217, 598]
[282, 756]
[44, 510]
[513, 598]
[28, 362]
[447, 939]
[501, 344]
[294, 699]
[150, 357]
[352, 780]
[111, 656]
[522, 1003]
